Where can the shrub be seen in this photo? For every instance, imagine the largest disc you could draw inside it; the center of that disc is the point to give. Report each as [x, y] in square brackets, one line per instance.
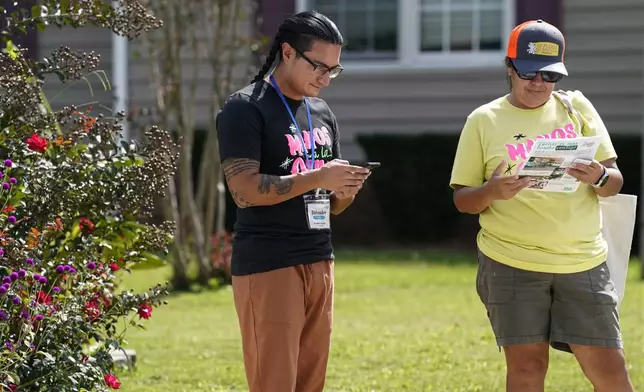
[416, 170]
[74, 199]
[221, 255]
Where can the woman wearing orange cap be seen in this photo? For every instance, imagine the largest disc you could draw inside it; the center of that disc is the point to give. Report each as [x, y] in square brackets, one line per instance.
[542, 271]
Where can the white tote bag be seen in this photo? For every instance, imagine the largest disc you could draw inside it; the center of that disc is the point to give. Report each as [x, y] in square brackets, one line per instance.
[618, 214]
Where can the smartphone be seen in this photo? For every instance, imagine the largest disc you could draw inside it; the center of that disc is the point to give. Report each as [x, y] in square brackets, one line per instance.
[368, 165]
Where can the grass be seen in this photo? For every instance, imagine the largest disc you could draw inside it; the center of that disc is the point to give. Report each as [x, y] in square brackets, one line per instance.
[399, 326]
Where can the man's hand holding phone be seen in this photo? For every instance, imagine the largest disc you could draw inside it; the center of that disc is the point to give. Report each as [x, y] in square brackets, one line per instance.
[360, 171]
[368, 165]
[339, 176]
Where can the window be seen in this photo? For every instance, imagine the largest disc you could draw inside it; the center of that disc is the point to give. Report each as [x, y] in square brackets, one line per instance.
[369, 26]
[420, 33]
[461, 25]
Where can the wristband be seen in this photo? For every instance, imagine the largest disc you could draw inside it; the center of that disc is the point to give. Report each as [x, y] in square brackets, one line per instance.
[603, 179]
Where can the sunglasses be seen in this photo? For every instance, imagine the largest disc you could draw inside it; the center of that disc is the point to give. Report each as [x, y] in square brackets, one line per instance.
[321, 69]
[547, 76]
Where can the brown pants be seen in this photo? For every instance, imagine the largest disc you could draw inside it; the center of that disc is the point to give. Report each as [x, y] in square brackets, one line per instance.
[285, 317]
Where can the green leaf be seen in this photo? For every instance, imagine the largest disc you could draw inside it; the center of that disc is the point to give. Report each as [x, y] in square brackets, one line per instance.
[75, 229]
[64, 6]
[48, 107]
[12, 377]
[149, 261]
[107, 245]
[61, 75]
[40, 25]
[10, 49]
[89, 85]
[46, 355]
[36, 11]
[16, 198]
[102, 77]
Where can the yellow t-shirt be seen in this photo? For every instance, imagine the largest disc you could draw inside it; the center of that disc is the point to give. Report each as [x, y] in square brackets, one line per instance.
[537, 231]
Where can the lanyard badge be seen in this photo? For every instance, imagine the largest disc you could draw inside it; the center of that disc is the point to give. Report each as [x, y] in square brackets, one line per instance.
[310, 159]
[317, 207]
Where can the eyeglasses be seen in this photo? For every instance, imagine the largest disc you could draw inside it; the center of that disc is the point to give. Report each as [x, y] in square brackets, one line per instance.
[547, 76]
[321, 69]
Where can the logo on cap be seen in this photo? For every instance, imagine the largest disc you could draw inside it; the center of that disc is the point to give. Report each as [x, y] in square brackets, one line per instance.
[543, 48]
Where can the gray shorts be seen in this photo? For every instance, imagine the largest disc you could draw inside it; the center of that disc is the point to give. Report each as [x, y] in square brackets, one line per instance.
[529, 307]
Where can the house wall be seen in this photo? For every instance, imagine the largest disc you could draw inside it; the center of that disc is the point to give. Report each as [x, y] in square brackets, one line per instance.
[142, 94]
[404, 101]
[604, 57]
[82, 93]
[604, 40]
[197, 70]
[86, 93]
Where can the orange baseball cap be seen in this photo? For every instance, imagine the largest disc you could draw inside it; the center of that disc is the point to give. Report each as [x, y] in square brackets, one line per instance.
[536, 46]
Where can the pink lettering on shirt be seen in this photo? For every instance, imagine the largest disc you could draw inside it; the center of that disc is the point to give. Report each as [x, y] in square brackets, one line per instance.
[519, 151]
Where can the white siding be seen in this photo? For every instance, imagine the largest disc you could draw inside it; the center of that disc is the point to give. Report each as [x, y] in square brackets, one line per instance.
[605, 43]
[79, 93]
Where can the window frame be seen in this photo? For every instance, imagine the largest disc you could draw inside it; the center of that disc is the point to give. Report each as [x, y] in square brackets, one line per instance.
[409, 54]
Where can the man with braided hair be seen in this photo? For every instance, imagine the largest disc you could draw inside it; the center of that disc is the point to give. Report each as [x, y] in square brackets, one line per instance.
[280, 152]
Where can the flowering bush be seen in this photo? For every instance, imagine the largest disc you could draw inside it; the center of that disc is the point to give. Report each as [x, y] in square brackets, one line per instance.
[221, 255]
[73, 203]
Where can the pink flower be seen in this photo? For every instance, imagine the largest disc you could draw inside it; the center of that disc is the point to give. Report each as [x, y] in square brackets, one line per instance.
[43, 298]
[112, 381]
[86, 225]
[37, 143]
[145, 311]
[92, 310]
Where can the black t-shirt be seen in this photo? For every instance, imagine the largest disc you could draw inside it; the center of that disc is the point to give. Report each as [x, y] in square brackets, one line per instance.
[254, 124]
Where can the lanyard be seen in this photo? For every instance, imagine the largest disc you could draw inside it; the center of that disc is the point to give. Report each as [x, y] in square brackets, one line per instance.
[310, 161]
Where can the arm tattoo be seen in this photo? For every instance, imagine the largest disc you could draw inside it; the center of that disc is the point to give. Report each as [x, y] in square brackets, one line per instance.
[239, 200]
[282, 186]
[235, 166]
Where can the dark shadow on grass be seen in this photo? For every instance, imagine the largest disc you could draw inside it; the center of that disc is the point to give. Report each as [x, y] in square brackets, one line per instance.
[195, 287]
[406, 255]
[192, 287]
[388, 255]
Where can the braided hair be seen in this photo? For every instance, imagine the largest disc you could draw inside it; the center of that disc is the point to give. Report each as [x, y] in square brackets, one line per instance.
[300, 31]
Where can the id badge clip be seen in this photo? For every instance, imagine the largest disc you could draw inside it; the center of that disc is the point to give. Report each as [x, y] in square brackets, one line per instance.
[318, 211]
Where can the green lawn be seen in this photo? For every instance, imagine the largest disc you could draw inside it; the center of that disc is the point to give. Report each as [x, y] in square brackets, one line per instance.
[399, 326]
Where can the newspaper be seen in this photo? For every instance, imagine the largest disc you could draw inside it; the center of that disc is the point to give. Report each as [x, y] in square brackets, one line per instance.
[549, 158]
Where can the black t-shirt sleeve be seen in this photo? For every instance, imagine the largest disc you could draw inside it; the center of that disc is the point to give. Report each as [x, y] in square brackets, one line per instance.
[239, 128]
[335, 154]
